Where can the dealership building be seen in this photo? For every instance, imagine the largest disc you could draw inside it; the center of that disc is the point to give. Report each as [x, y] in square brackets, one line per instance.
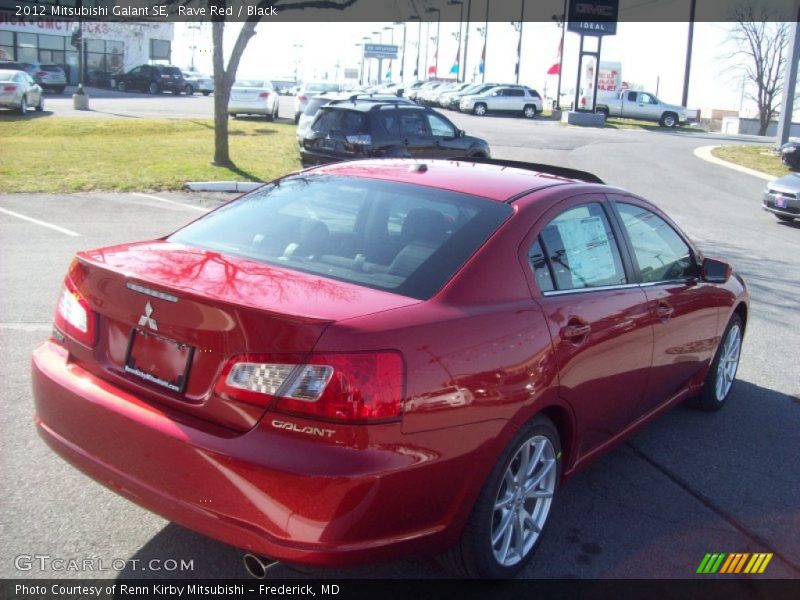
[109, 47]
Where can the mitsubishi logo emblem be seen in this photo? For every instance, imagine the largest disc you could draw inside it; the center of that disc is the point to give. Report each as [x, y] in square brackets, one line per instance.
[146, 320]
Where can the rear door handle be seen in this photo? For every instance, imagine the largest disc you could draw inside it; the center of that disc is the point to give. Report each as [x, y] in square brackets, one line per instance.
[576, 331]
[664, 311]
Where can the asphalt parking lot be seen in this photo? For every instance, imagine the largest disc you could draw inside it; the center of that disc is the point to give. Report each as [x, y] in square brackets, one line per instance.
[689, 484]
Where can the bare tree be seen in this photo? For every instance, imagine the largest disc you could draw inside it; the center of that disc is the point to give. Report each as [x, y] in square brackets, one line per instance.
[761, 47]
[225, 75]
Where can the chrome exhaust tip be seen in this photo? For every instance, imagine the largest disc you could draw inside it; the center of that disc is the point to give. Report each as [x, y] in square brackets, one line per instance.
[258, 566]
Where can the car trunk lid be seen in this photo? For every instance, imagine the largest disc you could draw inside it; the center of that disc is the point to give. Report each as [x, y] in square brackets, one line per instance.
[171, 317]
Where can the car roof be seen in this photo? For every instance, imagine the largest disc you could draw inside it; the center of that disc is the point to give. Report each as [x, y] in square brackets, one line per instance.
[367, 104]
[491, 181]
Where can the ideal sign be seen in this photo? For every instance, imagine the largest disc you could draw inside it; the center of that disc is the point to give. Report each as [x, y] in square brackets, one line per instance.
[593, 17]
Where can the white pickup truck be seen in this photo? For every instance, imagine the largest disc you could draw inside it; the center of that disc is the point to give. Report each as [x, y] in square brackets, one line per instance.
[641, 105]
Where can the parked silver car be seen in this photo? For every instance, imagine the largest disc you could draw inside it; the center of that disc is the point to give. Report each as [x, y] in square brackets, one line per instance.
[307, 91]
[18, 91]
[782, 197]
[198, 82]
[253, 97]
[512, 98]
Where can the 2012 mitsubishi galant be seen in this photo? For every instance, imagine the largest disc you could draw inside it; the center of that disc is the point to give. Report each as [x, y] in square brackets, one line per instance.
[378, 358]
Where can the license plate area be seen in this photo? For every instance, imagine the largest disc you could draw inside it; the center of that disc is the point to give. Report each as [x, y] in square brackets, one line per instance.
[781, 202]
[327, 144]
[158, 360]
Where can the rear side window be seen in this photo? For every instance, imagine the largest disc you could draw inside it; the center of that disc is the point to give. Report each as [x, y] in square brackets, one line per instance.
[581, 249]
[173, 71]
[398, 237]
[344, 122]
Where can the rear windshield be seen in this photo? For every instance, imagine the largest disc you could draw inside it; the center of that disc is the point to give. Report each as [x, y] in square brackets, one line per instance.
[51, 68]
[346, 122]
[313, 105]
[398, 237]
[249, 83]
[7, 75]
[322, 87]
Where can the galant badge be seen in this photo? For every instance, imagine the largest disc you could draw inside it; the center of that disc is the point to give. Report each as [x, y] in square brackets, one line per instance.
[146, 320]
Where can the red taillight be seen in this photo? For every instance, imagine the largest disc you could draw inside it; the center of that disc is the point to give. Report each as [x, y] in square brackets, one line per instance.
[9, 88]
[264, 95]
[41, 73]
[348, 387]
[302, 98]
[73, 316]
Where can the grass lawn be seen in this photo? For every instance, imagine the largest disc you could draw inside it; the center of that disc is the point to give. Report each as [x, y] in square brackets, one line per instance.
[53, 154]
[760, 158]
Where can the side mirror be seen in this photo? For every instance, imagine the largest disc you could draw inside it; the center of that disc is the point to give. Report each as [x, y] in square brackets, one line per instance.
[460, 133]
[715, 271]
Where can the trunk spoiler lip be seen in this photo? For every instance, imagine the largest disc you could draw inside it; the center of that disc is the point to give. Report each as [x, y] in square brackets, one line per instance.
[178, 291]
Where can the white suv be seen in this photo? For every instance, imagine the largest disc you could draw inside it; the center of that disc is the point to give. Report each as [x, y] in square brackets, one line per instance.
[505, 98]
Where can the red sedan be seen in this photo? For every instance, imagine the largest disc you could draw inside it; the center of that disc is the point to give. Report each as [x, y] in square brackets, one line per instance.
[379, 358]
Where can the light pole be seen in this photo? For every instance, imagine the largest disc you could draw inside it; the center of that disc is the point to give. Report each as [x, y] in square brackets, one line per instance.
[419, 44]
[561, 21]
[485, 42]
[466, 37]
[438, 28]
[297, 49]
[460, 4]
[403, 57]
[390, 29]
[518, 26]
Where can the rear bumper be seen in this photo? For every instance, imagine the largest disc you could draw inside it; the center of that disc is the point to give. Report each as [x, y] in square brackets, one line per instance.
[365, 494]
[248, 108]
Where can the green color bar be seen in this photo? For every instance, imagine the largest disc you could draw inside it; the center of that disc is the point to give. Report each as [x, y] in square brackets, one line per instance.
[701, 568]
[717, 564]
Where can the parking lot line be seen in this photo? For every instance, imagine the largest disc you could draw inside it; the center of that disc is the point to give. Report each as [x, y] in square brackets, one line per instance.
[26, 326]
[167, 201]
[63, 230]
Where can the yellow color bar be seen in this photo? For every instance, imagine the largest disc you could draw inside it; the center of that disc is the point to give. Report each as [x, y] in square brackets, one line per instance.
[765, 563]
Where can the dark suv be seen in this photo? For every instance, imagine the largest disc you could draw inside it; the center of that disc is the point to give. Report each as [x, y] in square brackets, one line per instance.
[153, 79]
[358, 128]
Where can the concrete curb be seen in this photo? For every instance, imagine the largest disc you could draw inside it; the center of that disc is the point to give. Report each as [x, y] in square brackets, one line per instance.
[704, 153]
[222, 186]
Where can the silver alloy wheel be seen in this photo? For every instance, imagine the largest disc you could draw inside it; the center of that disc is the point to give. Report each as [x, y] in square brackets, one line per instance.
[523, 500]
[728, 362]
[669, 120]
[530, 112]
[480, 110]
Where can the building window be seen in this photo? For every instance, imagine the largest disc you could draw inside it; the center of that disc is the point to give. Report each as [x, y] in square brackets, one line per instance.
[6, 45]
[160, 50]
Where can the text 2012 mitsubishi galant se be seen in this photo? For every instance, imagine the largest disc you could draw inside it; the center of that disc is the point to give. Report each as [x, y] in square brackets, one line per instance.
[381, 358]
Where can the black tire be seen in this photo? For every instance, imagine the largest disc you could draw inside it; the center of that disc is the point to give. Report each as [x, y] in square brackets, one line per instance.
[529, 111]
[296, 118]
[121, 86]
[785, 218]
[176, 92]
[708, 399]
[479, 109]
[59, 90]
[602, 110]
[473, 555]
[23, 106]
[669, 119]
[188, 90]
[206, 93]
[40, 106]
[154, 88]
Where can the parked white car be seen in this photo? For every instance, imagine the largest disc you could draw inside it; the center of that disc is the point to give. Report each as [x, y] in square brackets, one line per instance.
[516, 99]
[253, 97]
[18, 91]
[198, 82]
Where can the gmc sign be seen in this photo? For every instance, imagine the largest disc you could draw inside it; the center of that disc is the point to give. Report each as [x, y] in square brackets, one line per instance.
[593, 17]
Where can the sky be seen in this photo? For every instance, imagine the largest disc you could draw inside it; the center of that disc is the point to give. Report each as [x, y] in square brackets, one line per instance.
[652, 55]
